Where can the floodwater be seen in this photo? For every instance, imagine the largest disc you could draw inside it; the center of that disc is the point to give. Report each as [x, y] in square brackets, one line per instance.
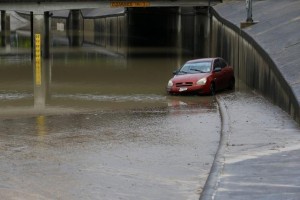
[101, 126]
[157, 153]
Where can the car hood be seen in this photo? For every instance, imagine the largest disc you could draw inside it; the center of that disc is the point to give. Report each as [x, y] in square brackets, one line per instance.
[189, 77]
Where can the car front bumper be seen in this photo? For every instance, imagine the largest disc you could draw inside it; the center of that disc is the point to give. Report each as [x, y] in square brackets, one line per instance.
[196, 89]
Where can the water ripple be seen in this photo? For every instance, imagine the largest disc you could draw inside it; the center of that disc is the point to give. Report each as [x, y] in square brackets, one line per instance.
[14, 96]
[115, 98]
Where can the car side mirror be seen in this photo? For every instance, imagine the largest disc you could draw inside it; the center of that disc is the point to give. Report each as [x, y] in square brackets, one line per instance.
[175, 72]
[217, 69]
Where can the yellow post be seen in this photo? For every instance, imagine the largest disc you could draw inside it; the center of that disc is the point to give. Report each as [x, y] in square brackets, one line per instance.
[38, 70]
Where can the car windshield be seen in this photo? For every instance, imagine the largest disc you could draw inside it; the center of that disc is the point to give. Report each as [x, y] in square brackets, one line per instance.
[195, 67]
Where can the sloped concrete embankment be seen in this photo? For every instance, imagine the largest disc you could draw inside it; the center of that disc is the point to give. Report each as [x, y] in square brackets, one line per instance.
[266, 55]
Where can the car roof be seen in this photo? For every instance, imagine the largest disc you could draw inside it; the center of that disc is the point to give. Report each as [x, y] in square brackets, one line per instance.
[201, 60]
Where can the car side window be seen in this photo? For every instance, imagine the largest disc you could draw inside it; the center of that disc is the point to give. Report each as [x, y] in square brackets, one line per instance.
[222, 63]
[216, 64]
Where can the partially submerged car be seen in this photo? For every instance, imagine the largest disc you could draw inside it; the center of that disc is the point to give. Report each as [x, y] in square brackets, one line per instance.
[202, 76]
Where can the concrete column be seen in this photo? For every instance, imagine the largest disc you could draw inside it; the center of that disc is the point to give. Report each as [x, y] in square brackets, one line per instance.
[124, 34]
[5, 29]
[201, 32]
[40, 32]
[206, 34]
[46, 49]
[3, 14]
[75, 28]
[179, 38]
[197, 34]
[32, 35]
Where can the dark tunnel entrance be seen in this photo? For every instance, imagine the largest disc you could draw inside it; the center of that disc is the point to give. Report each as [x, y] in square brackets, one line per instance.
[186, 29]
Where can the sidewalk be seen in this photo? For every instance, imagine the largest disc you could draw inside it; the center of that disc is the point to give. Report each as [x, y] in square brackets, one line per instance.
[259, 153]
[277, 34]
[259, 157]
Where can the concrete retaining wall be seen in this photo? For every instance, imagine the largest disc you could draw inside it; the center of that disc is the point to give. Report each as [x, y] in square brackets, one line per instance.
[184, 29]
[256, 62]
[109, 32]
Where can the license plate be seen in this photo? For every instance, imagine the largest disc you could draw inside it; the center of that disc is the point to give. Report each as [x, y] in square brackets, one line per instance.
[182, 89]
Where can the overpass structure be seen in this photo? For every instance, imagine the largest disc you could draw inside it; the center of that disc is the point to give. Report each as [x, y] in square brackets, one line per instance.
[41, 10]
[41, 6]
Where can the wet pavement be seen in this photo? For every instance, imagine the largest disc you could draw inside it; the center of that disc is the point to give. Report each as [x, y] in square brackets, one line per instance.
[259, 153]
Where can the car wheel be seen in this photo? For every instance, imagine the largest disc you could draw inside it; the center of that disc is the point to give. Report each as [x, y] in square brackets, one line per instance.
[231, 84]
[212, 89]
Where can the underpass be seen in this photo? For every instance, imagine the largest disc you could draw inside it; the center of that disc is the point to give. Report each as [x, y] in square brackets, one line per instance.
[82, 97]
[104, 127]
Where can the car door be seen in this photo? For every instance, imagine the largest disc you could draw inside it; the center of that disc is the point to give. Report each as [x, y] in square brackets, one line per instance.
[226, 73]
[218, 75]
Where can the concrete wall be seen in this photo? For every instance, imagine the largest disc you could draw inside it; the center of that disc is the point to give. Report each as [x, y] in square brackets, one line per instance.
[195, 31]
[109, 32]
[254, 64]
[183, 28]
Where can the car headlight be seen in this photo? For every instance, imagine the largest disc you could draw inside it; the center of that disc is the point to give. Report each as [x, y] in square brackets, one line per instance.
[170, 83]
[201, 81]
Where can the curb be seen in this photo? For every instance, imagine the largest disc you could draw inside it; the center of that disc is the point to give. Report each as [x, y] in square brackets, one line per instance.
[212, 182]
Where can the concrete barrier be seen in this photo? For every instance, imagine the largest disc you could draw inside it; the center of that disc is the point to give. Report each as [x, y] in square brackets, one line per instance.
[270, 67]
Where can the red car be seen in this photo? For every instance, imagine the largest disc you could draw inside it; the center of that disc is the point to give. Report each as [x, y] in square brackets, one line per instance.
[202, 76]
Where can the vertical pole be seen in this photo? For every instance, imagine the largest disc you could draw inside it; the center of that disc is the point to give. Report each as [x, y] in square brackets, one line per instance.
[75, 21]
[40, 54]
[125, 33]
[46, 47]
[32, 35]
[207, 30]
[249, 10]
[196, 33]
[3, 28]
[7, 30]
[179, 37]
[38, 36]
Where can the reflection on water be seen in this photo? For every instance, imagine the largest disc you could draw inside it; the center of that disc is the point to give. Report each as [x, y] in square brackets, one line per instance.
[41, 126]
[6, 96]
[113, 98]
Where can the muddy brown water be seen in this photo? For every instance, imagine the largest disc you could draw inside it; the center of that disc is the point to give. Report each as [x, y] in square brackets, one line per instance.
[106, 129]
